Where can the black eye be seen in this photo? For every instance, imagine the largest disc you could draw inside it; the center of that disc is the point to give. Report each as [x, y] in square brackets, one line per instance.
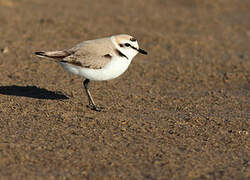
[127, 44]
[133, 39]
[121, 45]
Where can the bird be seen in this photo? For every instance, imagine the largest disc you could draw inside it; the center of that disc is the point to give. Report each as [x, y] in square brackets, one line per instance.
[97, 60]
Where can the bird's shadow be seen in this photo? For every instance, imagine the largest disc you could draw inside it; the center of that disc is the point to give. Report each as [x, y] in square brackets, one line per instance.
[31, 92]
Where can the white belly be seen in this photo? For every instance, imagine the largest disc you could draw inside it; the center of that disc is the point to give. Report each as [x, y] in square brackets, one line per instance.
[115, 68]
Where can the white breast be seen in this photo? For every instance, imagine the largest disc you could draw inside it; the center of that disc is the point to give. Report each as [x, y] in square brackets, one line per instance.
[115, 68]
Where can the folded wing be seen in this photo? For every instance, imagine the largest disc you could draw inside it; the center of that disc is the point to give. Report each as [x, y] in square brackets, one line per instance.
[93, 54]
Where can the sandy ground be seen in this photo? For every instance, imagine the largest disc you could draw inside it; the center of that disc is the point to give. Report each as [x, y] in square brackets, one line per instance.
[182, 112]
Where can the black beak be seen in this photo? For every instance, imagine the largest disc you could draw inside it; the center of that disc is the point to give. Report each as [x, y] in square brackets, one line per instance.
[140, 50]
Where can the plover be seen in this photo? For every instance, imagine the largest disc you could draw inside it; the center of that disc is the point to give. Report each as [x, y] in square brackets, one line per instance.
[98, 60]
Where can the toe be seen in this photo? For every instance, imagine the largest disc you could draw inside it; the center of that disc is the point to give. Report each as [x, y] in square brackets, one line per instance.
[95, 108]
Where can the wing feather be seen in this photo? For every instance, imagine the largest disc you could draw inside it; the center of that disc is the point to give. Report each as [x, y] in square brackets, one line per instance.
[93, 54]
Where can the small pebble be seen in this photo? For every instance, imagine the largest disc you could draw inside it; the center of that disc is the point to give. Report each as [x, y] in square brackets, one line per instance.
[5, 50]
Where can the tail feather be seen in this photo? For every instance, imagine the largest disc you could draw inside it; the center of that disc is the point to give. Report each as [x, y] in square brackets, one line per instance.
[53, 54]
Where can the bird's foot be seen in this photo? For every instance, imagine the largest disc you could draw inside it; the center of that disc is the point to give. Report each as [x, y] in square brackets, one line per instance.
[95, 108]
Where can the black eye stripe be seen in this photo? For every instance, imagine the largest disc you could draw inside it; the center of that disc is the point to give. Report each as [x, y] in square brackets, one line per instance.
[133, 39]
[126, 44]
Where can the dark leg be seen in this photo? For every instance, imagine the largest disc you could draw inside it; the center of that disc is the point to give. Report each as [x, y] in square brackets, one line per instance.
[91, 101]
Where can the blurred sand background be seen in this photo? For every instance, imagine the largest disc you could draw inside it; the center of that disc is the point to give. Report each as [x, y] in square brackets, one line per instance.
[182, 112]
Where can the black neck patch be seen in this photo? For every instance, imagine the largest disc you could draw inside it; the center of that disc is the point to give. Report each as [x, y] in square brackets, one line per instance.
[107, 56]
[121, 54]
